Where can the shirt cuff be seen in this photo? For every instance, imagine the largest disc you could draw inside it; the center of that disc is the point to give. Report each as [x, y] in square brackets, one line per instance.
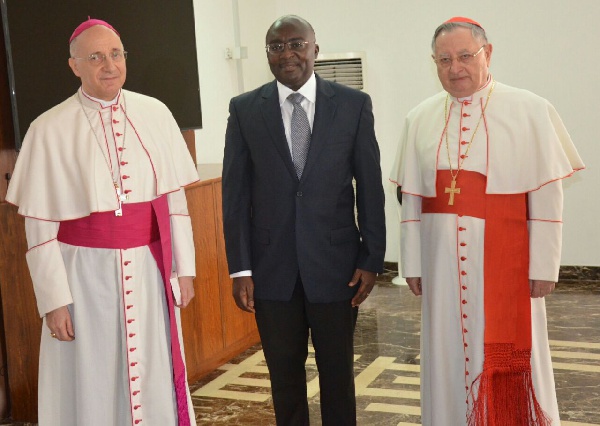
[247, 273]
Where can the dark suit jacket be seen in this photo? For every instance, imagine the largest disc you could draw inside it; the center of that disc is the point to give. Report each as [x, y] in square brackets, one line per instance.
[279, 226]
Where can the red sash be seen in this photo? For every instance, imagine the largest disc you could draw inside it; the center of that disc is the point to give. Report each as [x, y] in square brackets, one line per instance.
[503, 393]
[142, 224]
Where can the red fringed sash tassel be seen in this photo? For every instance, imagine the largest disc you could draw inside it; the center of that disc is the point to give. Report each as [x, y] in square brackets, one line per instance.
[503, 394]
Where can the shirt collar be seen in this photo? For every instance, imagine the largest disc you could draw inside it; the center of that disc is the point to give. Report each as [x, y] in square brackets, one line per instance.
[308, 90]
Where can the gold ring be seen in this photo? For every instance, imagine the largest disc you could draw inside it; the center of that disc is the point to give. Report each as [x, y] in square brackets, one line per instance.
[53, 335]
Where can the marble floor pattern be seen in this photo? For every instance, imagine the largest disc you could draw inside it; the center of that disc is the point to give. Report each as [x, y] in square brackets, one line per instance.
[387, 364]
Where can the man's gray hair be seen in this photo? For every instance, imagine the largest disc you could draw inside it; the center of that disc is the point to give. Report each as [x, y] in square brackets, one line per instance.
[477, 32]
[73, 47]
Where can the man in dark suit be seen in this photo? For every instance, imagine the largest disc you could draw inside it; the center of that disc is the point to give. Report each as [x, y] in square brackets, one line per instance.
[296, 253]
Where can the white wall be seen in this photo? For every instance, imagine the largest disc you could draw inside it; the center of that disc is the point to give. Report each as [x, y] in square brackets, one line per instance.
[545, 46]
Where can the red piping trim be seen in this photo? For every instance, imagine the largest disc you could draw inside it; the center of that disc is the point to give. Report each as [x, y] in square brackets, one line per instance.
[410, 220]
[545, 220]
[41, 244]
[144, 148]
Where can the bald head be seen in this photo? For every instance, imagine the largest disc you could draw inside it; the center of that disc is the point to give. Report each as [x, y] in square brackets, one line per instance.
[291, 19]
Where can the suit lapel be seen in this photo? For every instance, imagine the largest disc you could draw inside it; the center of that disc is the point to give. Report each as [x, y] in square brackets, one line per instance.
[272, 116]
[325, 109]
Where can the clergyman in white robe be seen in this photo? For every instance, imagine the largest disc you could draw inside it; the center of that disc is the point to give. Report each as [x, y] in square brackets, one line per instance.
[118, 370]
[522, 147]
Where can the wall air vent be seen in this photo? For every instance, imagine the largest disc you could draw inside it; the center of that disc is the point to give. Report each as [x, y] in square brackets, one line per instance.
[343, 68]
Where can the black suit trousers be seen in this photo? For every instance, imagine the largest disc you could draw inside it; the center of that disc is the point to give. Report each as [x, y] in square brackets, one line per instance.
[284, 329]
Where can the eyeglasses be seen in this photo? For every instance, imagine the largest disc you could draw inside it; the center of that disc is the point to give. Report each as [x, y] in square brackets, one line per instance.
[294, 46]
[465, 59]
[97, 59]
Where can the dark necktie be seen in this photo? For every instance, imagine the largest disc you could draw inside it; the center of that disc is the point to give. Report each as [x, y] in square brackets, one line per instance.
[300, 133]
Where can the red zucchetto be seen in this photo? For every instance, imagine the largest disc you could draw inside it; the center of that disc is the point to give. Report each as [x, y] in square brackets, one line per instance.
[85, 25]
[463, 19]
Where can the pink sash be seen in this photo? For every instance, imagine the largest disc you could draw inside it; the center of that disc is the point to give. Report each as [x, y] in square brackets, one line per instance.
[142, 224]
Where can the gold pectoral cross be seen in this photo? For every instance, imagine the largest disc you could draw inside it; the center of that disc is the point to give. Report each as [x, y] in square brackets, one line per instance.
[452, 190]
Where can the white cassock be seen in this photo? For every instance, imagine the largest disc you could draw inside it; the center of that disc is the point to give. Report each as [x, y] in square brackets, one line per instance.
[118, 370]
[521, 146]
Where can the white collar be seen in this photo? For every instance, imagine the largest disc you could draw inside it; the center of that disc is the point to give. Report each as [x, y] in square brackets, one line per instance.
[102, 101]
[479, 93]
[308, 90]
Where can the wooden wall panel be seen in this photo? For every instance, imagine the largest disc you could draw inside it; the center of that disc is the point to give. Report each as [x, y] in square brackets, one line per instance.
[8, 155]
[238, 325]
[216, 319]
[201, 320]
[190, 139]
[22, 325]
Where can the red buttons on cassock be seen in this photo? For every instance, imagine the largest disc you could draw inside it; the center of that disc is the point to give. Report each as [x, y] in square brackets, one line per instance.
[466, 345]
[133, 364]
[128, 277]
[123, 163]
[463, 142]
[466, 103]
[125, 177]
[467, 359]
[464, 129]
[129, 306]
[132, 349]
[460, 228]
[120, 148]
[464, 302]
[128, 291]
[465, 316]
[463, 273]
[115, 108]
[119, 134]
[129, 321]
[463, 258]
[466, 373]
[463, 156]
[135, 407]
[115, 121]
[463, 244]
[127, 191]
[464, 287]
[133, 379]
[138, 421]
[466, 115]
[465, 330]
[133, 334]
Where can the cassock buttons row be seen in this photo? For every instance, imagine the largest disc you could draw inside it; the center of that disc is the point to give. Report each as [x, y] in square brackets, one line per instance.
[121, 149]
[131, 335]
[464, 302]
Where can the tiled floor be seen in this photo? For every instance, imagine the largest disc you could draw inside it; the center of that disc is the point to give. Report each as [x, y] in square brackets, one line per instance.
[387, 364]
